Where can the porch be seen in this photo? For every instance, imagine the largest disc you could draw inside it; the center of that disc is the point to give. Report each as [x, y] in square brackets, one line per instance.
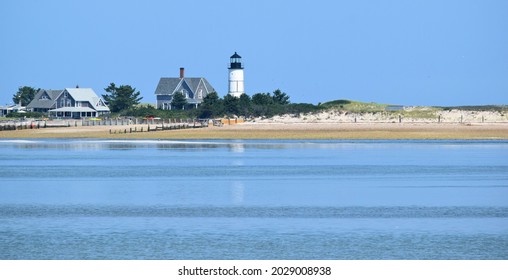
[73, 112]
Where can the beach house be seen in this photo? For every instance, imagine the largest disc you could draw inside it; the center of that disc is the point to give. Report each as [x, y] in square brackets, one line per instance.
[5, 110]
[73, 103]
[194, 90]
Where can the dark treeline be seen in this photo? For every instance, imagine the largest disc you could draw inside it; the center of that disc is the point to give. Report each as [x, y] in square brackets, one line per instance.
[259, 105]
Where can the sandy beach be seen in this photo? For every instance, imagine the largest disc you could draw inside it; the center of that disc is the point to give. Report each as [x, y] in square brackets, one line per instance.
[278, 130]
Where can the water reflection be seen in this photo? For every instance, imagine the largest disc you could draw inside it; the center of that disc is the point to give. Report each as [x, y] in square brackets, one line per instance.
[235, 146]
[237, 192]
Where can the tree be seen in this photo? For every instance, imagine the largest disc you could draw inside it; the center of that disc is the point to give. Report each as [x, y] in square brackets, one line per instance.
[24, 95]
[280, 97]
[244, 105]
[121, 98]
[262, 99]
[231, 105]
[178, 101]
[212, 106]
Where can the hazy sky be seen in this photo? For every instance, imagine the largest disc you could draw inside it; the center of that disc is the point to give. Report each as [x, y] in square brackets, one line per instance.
[399, 52]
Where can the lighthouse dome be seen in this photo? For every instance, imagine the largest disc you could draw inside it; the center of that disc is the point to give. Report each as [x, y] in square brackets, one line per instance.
[235, 62]
[236, 56]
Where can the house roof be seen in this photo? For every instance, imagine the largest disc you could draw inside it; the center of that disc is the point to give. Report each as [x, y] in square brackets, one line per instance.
[12, 107]
[78, 94]
[37, 102]
[87, 94]
[168, 86]
[73, 109]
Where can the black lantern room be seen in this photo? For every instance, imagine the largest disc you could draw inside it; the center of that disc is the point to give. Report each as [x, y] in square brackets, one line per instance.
[236, 62]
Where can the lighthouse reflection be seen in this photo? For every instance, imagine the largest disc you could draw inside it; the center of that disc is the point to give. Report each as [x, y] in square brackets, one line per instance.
[237, 147]
[237, 192]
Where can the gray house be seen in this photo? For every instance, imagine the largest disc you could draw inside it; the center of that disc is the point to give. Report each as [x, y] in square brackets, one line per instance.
[43, 101]
[69, 103]
[194, 89]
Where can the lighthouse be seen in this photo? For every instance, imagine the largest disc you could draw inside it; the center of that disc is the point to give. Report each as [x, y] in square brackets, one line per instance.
[236, 86]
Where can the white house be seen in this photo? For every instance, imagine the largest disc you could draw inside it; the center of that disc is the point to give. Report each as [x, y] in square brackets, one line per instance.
[5, 110]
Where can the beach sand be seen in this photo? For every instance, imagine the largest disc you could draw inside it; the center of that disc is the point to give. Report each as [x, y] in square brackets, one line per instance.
[279, 130]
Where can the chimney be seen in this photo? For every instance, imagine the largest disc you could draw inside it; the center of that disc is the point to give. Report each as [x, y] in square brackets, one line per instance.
[182, 71]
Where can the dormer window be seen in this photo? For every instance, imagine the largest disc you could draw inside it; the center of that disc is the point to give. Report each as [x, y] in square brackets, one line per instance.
[44, 97]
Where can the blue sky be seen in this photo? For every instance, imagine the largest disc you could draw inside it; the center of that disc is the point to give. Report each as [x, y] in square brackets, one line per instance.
[429, 52]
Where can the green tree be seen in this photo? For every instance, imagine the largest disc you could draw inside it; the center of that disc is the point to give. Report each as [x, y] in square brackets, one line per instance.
[245, 105]
[261, 104]
[262, 99]
[212, 106]
[280, 97]
[211, 98]
[24, 95]
[121, 98]
[231, 105]
[178, 101]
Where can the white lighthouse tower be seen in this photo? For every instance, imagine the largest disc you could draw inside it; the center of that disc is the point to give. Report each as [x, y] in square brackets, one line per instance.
[236, 86]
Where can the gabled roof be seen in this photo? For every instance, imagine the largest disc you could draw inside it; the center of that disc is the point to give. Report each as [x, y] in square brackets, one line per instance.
[87, 94]
[37, 102]
[168, 86]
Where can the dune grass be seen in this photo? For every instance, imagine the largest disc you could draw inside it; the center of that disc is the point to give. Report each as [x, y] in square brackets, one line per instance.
[354, 106]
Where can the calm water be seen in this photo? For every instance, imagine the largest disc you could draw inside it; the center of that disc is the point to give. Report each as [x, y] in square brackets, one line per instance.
[87, 199]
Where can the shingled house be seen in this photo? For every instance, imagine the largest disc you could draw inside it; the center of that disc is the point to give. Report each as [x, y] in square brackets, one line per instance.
[69, 103]
[43, 101]
[194, 89]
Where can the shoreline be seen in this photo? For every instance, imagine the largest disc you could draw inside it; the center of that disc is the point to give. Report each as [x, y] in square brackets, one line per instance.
[282, 130]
